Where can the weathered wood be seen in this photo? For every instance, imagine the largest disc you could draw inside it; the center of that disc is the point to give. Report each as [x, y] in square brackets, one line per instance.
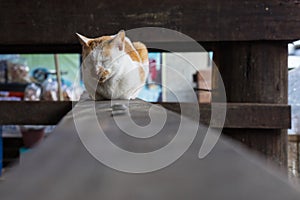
[256, 73]
[238, 115]
[16, 87]
[253, 72]
[33, 112]
[62, 168]
[54, 22]
[294, 138]
[50, 25]
[293, 161]
[77, 48]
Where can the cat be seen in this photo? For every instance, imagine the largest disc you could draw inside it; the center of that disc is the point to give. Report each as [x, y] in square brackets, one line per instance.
[113, 66]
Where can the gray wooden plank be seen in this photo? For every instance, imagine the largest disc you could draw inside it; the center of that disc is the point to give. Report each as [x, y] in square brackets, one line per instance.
[62, 168]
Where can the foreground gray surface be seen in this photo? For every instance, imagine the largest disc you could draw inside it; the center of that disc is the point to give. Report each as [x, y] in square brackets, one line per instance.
[61, 168]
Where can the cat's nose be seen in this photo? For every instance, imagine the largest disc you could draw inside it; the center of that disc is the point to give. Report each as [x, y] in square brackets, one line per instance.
[99, 69]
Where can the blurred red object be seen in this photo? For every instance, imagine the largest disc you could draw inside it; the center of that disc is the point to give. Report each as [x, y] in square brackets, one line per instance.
[16, 94]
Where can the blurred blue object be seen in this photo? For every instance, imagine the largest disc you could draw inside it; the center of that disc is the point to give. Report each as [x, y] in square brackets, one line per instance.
[151, 93]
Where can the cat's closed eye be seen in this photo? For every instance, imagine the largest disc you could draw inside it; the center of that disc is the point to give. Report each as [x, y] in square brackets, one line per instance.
[120, 66]
[106, 60]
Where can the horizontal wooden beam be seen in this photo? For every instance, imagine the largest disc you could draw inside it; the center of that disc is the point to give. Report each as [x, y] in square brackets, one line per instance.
[294, 138]
[33, 112]
[77, 48]
[239, 115]
[54, 22]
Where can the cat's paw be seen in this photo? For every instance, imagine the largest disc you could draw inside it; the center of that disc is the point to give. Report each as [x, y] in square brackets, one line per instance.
[103, 74]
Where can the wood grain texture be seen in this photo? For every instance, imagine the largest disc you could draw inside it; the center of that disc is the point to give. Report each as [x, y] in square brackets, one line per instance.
[294, 138]
[253, 72]
[62, 168]
[264, 116]
[54, 22]
[33, 112]
[240, 115]
[256, 72]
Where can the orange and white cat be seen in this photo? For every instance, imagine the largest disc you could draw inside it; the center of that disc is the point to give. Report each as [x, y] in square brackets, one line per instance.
[113, 66]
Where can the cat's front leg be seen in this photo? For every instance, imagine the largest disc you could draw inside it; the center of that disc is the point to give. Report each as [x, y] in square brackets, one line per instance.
[103, 74]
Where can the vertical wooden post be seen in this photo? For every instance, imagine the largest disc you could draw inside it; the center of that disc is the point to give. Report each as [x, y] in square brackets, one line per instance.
[256, 72]
[58, 77]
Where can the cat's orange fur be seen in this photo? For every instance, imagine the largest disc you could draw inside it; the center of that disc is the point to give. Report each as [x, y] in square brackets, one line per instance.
[104, 47]
[138, 52]
[143, 54]
[91, 44]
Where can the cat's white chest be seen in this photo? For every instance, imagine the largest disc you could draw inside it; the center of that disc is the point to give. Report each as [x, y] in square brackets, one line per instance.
[123, 83]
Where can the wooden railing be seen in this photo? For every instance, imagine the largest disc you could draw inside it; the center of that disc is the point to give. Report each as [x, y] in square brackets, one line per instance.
[250, 115]
[249, 40]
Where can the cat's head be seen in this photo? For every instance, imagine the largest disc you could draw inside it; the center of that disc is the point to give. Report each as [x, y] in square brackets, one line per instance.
[101, 51]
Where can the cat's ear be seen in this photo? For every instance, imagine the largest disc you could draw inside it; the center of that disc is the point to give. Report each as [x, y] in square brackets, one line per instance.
[83, 40]
[119, 40]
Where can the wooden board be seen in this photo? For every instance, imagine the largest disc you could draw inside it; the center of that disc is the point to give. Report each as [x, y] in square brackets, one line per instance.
[62, 168]
[263, 116]
[255, 72]
[294, 138]
[33, 112]
[240, 115]
[54, 22]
